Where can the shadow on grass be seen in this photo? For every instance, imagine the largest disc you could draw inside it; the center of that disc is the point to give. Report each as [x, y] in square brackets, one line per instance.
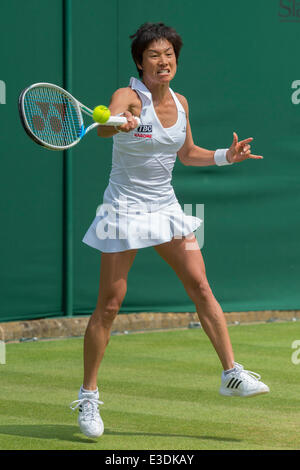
[156, 434]
[72, 433]
[61, 432]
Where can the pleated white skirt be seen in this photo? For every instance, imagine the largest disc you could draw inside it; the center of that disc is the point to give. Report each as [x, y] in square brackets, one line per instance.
[114, 230]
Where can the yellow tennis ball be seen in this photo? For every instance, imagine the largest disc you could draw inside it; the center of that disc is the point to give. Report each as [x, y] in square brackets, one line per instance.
[101, 114]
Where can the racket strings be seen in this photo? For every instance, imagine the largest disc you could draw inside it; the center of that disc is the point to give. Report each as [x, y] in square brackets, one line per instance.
[52, 116]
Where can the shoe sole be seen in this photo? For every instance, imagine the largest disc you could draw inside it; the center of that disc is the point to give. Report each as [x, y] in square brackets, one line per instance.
[228, 393]
[91, 435]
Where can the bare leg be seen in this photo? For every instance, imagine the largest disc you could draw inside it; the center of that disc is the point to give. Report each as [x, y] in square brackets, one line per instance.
[190, 268]
[112, 290]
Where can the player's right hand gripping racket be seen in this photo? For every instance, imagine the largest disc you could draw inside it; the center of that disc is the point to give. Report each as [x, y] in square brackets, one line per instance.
[52, 117]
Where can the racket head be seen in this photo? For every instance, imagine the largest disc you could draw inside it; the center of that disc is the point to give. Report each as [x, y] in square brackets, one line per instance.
[51, 116]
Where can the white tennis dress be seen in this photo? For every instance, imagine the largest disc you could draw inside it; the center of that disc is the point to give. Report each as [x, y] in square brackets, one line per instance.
[140, 208]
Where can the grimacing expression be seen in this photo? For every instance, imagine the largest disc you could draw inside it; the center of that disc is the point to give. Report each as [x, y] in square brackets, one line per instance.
[159, 62]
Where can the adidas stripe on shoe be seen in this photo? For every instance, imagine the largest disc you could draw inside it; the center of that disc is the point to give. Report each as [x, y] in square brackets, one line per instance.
[242, 383]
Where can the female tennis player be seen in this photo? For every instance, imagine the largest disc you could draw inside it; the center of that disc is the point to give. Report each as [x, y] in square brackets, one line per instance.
[140, 210]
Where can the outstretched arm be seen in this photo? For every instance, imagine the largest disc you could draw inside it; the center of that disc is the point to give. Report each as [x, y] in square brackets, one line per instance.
[122, 102]
[193, 155]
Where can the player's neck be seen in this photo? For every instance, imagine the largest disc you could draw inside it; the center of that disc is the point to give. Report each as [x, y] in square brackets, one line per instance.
[160, 92]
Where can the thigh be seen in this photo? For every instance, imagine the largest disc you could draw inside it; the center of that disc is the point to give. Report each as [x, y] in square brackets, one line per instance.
[185, 257]
[114, 271]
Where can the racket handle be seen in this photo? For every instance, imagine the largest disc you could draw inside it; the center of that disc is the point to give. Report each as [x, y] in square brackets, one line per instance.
[119, 120]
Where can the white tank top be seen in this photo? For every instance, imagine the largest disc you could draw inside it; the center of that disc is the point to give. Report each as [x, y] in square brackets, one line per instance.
[143, 159]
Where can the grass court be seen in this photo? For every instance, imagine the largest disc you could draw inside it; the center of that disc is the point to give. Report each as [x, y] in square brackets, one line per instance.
[160, 392]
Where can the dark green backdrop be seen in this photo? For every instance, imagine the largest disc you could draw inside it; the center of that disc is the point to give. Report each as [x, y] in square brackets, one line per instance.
[237, 67]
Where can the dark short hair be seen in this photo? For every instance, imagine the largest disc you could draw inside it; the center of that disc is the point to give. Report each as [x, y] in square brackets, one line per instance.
[149, 32]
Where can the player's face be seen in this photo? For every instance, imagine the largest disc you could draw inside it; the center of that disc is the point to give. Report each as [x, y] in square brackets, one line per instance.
[159, 62]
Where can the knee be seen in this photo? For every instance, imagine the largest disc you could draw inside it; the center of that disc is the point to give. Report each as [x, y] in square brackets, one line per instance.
[200, 291]
[109, 310]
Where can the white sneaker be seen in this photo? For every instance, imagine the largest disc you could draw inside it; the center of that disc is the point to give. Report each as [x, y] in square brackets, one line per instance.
[242, 383]
[89, 419]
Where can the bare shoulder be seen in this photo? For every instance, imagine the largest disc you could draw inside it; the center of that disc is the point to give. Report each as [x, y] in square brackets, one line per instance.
[182, 99]
[124, 99]
[124, 93]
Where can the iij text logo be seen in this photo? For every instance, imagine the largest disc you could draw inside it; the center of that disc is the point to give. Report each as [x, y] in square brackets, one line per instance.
[2, 92]
[289, 11]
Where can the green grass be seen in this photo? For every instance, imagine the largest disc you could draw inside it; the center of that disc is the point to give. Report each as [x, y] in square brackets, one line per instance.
[160, 392]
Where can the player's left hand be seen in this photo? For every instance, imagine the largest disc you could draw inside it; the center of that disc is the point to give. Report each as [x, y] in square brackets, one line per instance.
[240, 151]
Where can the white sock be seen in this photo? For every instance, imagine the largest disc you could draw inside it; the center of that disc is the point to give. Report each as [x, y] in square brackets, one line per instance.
[88, 391]
[228, 371]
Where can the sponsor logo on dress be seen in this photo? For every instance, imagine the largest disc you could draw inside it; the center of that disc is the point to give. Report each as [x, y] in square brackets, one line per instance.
[144, 131]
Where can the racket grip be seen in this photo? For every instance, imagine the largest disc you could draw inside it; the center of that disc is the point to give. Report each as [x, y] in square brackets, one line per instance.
[119, 120]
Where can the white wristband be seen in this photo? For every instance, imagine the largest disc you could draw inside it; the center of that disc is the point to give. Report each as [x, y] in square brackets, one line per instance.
[220, 157]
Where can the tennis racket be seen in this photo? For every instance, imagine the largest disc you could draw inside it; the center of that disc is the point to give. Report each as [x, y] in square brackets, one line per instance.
[53, 118]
